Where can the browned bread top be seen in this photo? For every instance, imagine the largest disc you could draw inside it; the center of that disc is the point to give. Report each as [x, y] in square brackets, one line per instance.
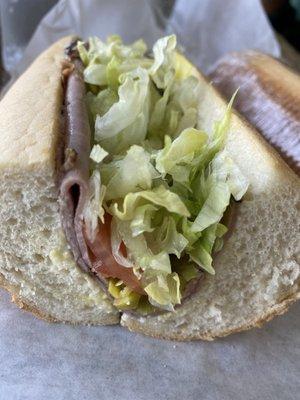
[269, 98]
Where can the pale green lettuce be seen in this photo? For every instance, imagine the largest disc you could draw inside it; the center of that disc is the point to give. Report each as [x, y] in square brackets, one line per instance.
[162, 70]
[175, 158]
[98, 154]
[125, 123]
[99, 104]
[159, 196]
[165, 182]
[168, 239]
[93, 209]
[142, 219]
[164, 291]
[133, 173]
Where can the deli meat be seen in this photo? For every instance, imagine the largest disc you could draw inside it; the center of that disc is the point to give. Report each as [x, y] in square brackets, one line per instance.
[92, 256]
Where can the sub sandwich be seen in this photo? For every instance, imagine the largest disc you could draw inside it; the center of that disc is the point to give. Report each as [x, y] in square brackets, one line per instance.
[132, 193]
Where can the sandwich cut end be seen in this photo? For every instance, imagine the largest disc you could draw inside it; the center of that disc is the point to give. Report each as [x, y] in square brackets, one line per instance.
[257, 271]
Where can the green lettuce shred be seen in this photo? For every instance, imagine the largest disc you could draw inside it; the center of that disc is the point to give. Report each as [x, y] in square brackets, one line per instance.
[165, 181]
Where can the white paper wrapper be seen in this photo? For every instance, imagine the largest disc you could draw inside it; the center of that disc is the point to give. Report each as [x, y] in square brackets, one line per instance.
[59, 362]
[43, 361]
[206, 29]
[131, 19]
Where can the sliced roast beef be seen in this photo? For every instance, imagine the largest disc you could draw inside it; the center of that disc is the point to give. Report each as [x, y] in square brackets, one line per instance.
[74, 188]
[93, 256]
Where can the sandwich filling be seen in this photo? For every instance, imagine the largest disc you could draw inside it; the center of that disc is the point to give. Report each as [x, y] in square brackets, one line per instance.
[144, 188]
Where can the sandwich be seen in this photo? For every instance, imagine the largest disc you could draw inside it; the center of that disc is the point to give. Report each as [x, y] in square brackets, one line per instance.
[132, 193]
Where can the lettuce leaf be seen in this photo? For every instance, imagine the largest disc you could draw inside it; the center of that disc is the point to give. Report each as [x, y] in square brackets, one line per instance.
[175, 158]
[95, 74]
[99, 104]
[116, 241]
[139, 250]
[142, 219]
[213, 207]
[99, 52]
[133, 173]
[128, 118]
[227, 171]
[159, 196]
[163, 69]
[176, 109]
[164, 291]
[168, 239]
[98, 153]
[93, 208]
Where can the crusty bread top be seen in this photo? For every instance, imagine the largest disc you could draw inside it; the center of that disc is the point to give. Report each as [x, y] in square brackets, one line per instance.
[280, 78]
[30, 127]
[269, 97]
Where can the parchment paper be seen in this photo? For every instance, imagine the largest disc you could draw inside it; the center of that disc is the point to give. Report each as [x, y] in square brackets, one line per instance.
[45, 361]
[206, 29]
[41, 361]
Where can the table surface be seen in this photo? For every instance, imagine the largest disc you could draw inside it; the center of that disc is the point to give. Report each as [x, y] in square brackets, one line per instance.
[55, 361]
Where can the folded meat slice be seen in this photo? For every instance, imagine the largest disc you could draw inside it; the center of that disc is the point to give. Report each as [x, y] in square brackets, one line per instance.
[74, 185]
[92, 256]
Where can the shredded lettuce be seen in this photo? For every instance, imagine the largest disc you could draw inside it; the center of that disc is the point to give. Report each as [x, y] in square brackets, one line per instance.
[159, 196]
[165, 182]
[162, 70]
[168, 239]
[98, 153]
[213, 207]
[99, 104]
[164, 291]
[142, 219]
[175, 110]
[175, 158]
[93, 209]
[125, 123]
[95, 74]
[133, 173]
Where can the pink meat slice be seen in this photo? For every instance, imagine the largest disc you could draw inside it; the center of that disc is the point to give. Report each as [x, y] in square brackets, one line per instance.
[92, 256]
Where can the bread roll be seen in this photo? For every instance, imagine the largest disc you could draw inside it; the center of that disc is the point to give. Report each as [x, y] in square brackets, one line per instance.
[257, 272]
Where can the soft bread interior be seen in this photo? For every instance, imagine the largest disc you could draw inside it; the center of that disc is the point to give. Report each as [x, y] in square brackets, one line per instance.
[35, 263]
[258, 271]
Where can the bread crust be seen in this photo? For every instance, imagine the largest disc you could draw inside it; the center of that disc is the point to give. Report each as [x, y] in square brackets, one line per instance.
[23, 305]
[33, 139]
[277, 309]
[15, 298]
[268, 89]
